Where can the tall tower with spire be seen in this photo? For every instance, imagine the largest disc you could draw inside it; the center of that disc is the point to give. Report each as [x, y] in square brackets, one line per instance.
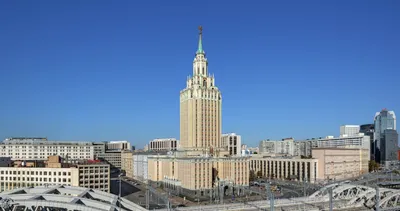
[200, 107]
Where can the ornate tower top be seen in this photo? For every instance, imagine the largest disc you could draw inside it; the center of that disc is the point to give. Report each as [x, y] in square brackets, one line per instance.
[200, 48]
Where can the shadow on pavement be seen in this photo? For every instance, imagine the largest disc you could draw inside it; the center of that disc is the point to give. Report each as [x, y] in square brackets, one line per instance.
[126, 188]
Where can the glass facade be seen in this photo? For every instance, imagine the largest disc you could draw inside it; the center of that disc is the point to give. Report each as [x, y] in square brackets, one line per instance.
[384, 120]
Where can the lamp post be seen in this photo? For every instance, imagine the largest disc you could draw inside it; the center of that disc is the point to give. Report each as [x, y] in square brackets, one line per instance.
[119, 194]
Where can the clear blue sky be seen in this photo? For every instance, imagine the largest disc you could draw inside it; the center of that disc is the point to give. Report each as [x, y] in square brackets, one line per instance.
[96, 70]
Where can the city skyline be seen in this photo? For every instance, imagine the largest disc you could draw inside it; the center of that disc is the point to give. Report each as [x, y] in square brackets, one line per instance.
[119, 92]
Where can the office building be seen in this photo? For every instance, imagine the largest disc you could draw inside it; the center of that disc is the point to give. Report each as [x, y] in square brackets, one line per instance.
[285, 146]
[388, 147]
[90, 174]
[285, 168]
[384, 120]
[232, 143]
[111, 157]
[118, 145]
[163, 144]
[341, 163]
[349, 130]
[127, 162]
[41, 149]
[358, 141]
[368, 130]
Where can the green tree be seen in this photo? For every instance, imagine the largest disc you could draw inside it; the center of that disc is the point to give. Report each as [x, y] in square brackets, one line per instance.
[259, 174]
[252, 175]
[373, 166]
[255, 153]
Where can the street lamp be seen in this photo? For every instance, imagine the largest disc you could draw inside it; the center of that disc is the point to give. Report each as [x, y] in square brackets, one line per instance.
[119, 194]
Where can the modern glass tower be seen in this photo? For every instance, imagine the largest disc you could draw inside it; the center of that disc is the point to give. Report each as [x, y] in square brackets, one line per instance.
[384, 120]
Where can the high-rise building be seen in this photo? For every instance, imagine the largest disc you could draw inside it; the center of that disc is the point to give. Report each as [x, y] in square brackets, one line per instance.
[349, 130]
[384, 120]
[389, 147]
[368, 130]
[200, 107]
[201, 164]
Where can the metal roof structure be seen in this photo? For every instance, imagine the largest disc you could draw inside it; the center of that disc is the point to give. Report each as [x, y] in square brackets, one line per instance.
[64, 198]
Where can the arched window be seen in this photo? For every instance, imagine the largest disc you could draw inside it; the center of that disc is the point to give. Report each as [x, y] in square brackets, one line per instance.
[204, 83]
[203, 71]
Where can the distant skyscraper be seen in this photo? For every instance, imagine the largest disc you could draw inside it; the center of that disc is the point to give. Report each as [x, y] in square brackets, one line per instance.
[384, 120]
[388, 147]
[368, 130]
[349, 130]
[200, 107]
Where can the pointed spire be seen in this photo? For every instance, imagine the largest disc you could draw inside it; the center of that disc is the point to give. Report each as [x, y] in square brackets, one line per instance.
[200, 48]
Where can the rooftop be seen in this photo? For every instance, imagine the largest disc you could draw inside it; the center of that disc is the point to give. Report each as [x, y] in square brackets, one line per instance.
[65, 197]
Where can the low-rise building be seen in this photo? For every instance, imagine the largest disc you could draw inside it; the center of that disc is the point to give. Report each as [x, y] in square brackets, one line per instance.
[341, 163]
[285, 168]
[91, 174]
[111, 157]
[41, 149]
[197, 175]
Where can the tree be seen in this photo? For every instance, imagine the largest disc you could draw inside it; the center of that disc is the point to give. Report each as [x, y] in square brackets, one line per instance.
[252, 175]
[259, 174]
[373, 166]
[255, 153]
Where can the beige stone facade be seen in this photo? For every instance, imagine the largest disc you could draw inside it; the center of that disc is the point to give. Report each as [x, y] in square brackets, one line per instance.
[341, 163]
[200, 161]
[198, 173]
[163, 144]
[127, 163]
[200, 108]
[90, 175]
[286, 168]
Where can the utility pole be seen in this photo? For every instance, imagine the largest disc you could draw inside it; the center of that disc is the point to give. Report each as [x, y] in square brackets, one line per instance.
[119, 195]
[270, 195]
[330, 199]
[304, 187]
[147, 196]
[377, 199]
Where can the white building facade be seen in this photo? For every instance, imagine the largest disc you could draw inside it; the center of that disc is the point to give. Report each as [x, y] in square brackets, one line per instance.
[41, 149]
[140, 167]
[286, 146]
[232, 142]
[349, 130]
